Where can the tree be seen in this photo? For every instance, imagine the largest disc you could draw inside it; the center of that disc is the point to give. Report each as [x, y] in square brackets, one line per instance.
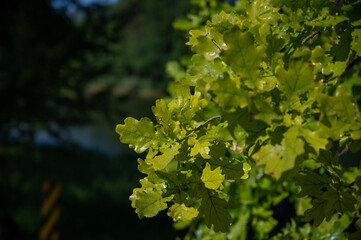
[263, 118]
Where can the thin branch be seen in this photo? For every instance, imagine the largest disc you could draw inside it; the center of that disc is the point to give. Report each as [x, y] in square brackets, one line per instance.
[216, 44]
[353, 63]
[311, 169]
[344, 150]
[212, 118]
[208, 120]
[312, 35]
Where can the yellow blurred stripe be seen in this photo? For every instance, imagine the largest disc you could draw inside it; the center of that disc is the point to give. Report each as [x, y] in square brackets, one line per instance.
[48, 226]
[50, 200]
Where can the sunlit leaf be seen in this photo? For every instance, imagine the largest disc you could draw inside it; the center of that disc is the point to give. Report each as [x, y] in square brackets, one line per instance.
[212, 179]
[139, 135]
[161, 161]
[242, 55]
[280, 158]
[297, 79]
[179, 212]
[148, 200]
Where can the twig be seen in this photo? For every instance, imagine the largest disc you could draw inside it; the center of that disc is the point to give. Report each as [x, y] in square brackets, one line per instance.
[344, 150]
[208, 120]
[312, 35]
[311, 169]
[353, 63]
[212, 118]
[270, 75]
[216, 44]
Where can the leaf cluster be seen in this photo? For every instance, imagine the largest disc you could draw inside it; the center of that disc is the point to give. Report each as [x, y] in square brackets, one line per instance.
[265, 88]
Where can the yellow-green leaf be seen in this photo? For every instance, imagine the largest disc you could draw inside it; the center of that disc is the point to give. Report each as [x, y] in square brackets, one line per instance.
[243, 55]
[179, 212]
[297, 79]
[212, 179]
[161, 161]
[139, 135]
[280, 158]
[148, 200]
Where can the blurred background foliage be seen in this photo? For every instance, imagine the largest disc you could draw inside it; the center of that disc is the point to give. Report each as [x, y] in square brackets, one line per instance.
[69, 71]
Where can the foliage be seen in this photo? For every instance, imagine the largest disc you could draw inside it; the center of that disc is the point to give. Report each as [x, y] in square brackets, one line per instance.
[271, 91]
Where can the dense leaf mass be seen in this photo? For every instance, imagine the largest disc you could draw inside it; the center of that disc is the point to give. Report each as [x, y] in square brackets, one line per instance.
[270, 86]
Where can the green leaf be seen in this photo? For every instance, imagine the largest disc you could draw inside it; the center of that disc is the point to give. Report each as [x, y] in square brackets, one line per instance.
[356, 42]
[147, 169]
[186, 106]
[243, 55]
[273, 51]
[341, 50]
[148, 200]
[343, 105]
[213, 207]
[212, 179]
[338, 112]
[331, 162]
[229, 94]
[201, 146]
[161, 161]
[311, 183]
[330, 21]
[335, 129]
[160, 110]
[325, 205]
[242, 125]
[224, 21]
[202, 44]
[232, 168]
[203, 69]
[280, 158]
[265, 111]
[139, 135]
[313, 139]
[179, 212]
[297, 79]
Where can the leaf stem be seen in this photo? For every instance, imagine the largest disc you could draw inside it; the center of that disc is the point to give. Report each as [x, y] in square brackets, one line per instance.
[215, 43]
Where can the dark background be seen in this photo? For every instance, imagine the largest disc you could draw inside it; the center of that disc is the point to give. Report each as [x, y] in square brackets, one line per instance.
[70, 70]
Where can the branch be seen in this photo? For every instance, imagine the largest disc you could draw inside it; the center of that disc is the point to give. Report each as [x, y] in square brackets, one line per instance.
[216, 44]
[311, 169]
[208, 120]
[312, 35]
[344, 150]
[353, 63]
[212, 118]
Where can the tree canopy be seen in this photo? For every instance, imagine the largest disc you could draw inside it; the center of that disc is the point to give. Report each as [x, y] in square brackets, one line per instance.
[262, 119]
